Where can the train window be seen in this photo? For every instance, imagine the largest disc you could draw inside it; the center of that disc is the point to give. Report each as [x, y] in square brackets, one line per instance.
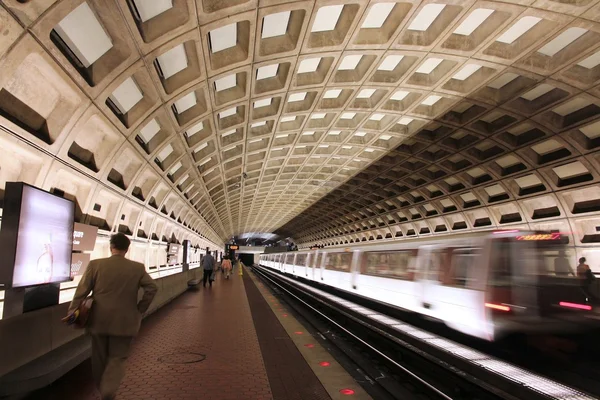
[396, 264]
[437, 265]
[301, 260]
[338, 261]
[289, 258]
[500, 272]
[461, 262]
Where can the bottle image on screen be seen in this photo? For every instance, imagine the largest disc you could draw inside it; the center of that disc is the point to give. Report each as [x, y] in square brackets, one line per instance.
[45, 262]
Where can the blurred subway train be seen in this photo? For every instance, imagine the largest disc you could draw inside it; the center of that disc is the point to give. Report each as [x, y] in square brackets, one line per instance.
[486, 284]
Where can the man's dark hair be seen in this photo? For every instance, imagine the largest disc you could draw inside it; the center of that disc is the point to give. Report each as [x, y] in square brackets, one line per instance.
[208, 250]
[120, 242]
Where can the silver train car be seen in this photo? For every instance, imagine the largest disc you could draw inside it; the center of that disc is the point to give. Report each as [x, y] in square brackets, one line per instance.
[486, 284]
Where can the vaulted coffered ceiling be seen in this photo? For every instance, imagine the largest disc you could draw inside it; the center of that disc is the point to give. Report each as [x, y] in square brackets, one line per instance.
[247, 113]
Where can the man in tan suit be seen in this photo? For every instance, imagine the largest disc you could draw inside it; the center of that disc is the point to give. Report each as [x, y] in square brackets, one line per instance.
[116, 315]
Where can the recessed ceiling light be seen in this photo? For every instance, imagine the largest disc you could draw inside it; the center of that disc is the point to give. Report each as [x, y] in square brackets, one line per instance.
[324, 146]
[327, 18]
[175, 168]
[377, 117]
[360, 134]
[268, 71]
[308, 133]
[365, 94]
[429, 65]
[263, 102]
[226, 82]
[466, 72]
[346, 147]
[296, 97]
[172, 61]
[390, 62]
[562, 41]
[288, 119]
[348, 115]
[431, 100]
[149, 130]
[334, 133]
[126, 96]
[150, 9]
[473, 21]
[426, 16]
[400, 95]
[369, 150]
[378, 13]
[228, 113]
[317, 116]
[385, 137]
[84, 35]
[309, 65]
[332, 94]
[518, 29]
[194, 129]
[350, 62]
[164, 153]
[186, 102]
[257, 124]
[275, 24]
[281, 136]
[405, 121]
[223, 38]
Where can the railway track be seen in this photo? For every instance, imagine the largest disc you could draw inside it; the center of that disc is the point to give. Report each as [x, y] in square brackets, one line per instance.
[396, 363]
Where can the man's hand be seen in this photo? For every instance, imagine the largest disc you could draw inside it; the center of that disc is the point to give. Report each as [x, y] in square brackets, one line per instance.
[71, 318]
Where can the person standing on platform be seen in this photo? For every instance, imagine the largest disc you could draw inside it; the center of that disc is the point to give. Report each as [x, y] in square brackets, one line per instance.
[208, 264]
[226, 267]
[116, 314]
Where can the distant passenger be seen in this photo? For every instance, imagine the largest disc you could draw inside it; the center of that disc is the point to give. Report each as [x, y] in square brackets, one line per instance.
[227, 267]
[116, 315]
[208, 264]
[562, 267]
[582, 268]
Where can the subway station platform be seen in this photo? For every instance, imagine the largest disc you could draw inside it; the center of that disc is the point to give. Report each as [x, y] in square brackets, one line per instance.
[231, 341]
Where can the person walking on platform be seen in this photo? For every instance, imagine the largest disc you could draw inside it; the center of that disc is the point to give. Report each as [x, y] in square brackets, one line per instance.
[208, 264]
[116, 314]
[226, 265]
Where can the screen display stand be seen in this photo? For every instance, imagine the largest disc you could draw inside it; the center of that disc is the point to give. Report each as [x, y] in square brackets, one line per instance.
[18, 301]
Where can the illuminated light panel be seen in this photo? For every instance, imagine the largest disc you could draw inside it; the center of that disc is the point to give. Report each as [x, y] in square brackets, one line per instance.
[498, 307]
[275, 24]
[334, 133]
[348, 115]
[223, 38]
[186, 102]
[309, 133]
[296, 97]
[541, 236]
[324, 146]
[537, 92]
[332, 94]
[309, 65]
[518, 29]
[570, 107]
[201, 147]
[84, 35]
[127, 95]
[226, 82]
[562, 41]
[266, 72]
[377, 15]
[429, 65]
[390, 63]
[365, 94]
[405, 121]
[175, 168]
[473, 21]
[150, 9]
[466, 72]
[426, 16]
[318, 116]
[327, 18]
[263, 102]
[350, 62]
[173, 61]
[360, 134]
[288, 119]
[575, 305]
[256, 140]
[385, 137]
[281, 136]
[431, 100]
[377, 117]
[257, 124]
[400, 95]
[591, 61]
[228, 113]
[194, 129]
[369, 150]
[149, 131]
[164, 153]
[207, 161]
[231, 132]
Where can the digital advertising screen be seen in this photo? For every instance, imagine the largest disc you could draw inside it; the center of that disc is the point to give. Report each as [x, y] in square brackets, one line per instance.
[37, 236]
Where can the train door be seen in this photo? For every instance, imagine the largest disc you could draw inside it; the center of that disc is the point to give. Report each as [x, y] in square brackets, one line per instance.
[356, 258]
[307, 264]
[427, 277]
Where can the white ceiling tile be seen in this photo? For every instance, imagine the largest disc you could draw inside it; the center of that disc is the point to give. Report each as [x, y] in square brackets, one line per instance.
[297, 97]
[268, 71]
[365, 94]
[562, 41]
[466, 72]
[173, 61]
[227, 82]
[473, 21]
[127, 95]
[348, 115]
[195, 129]
[149, 130]
[149, 9]
[518, 29]
[378, 13]
[309, 65]
[429, 65]
[332, 94]
[275, 24]
[263, 103]
[350, 62]
[400, 95]
[425, 17]
[228, 113]
[186, 102]
[327, 18]
[390, 63]
[164, 153]
[223, 38]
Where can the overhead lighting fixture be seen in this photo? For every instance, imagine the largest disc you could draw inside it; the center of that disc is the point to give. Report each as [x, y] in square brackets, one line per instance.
[84, 35]
[223, 38]
[348, 115]
[324, 146]
[164, 153]
[327, 18]
[194, 129]
[332, 94]
[347, 147]
[226, 82]
[334, 133]
[365, 94]
[268, 71]
[360, 134]
[385, 137]
[175, 168]
[390, 62]
[350, 62]
[518, 29]
[377, 117]
[431, 100]
[400, 95]
[149, 130]
[308, 133]
[466, 72]
[309, 65]
[275, 24]
[228, 113]
[377, 16]
[281, 136]
[186, 102]
[473, 21]
[369, 150]
[405, 121]
[429, 65]
[426, 16]
[294, 97]
[150, 9]
[258, 124]
[172, 61]
[263, 102]
[318, 116]
[126, 96]
[562, 41]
